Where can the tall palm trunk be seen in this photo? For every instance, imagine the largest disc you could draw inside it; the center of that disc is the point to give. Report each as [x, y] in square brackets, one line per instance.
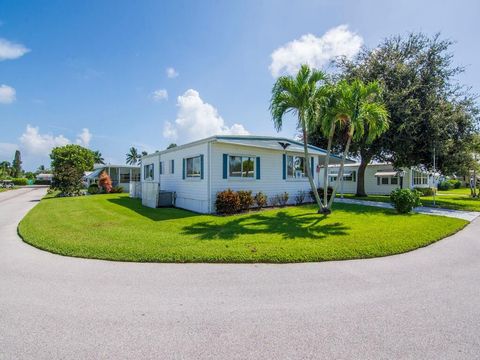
[307, 170]
[327, 161]
[342, 166]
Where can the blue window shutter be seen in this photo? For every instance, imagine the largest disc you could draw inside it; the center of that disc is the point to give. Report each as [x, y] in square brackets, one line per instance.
[183, 173]
[173, 166]
[201, 167]
[161, 167]
[258, 168]
[225, 165]
[284, 169]
[311, 166]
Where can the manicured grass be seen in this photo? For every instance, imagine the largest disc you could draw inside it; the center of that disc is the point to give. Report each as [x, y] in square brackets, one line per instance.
[116, 227]
[450, 201]
[460, 191]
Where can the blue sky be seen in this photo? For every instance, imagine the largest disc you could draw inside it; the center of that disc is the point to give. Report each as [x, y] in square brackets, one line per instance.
[95, 72]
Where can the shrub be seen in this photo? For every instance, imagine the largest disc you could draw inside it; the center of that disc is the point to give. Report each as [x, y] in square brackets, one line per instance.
[42, 182]
[104, 182]
[300, 197]
[274, 200]
[426, 191]
[116, 190]
[227, 202]
[320, 193]
[50, 191]
[93, 189]
[283, 199]
[455, 183]
[246, 199]
[404, 200]
[20, 181]
[261, 200]
[444, 185]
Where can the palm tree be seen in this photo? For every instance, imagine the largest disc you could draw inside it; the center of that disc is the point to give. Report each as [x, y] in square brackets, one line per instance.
[133, 156]
[358, 105]
[98, 159]
[295, 95]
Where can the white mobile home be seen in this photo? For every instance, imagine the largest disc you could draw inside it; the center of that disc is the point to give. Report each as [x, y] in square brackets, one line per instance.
[380, 179]
[197, 171]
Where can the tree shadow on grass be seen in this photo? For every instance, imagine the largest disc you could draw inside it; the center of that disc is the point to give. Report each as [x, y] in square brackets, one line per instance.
[288, 226]
[159, 214]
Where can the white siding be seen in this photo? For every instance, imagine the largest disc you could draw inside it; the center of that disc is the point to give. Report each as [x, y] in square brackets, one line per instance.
[271, 180]
[191, 193]
[150, 187]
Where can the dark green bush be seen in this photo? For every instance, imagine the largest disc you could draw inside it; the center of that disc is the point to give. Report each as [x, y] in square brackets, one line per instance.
[93, 189]
[283, 199]
[246, 199]
[444, 185]
[20, 181]
[227, 202]
[261, 200]
[429, 191]
[320, 191]
[42, 182]
[455, 183]
[116, 190]
[404, 200]
[300, 197]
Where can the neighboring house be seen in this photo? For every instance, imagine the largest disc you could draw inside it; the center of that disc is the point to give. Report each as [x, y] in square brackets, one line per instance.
[121, 175]
[380, 179]
[197, 171]
[44, 177]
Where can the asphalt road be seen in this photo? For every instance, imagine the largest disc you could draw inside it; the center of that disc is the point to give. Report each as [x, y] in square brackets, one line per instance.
[420, 305]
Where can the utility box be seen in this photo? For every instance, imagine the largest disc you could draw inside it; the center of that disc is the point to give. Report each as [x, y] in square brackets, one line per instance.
[165, 198]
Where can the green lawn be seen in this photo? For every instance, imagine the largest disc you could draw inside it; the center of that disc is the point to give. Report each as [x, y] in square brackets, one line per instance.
[116, 227]
[448, 200]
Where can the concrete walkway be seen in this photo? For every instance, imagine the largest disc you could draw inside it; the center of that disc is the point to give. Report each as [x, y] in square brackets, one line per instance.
[419, 305]
[465, 215]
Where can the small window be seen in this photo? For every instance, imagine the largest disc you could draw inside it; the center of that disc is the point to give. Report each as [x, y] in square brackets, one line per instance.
[161, 167]
[295, 167]
[193, 167]
[384, 180]
[394, 181]
[241, 167]
[172, 166]
[124, 177]
[148, 172]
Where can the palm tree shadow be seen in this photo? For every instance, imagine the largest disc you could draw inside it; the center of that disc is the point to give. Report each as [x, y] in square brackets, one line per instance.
[307, 226]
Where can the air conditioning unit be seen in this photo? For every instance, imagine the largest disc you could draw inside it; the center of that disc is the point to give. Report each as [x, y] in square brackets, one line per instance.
[165, 198]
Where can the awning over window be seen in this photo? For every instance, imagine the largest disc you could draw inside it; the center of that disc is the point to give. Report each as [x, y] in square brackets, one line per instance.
[94, 174]
[386, 173]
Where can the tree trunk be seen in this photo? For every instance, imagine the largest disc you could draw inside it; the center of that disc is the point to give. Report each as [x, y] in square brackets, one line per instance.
[342, 166]
[361, 177]
[307, 170]
[327, 160]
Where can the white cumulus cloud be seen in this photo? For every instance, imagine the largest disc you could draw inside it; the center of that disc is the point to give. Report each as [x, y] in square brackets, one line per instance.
[7, 94]
[10, 50]
[197, 119]
[84, 137]
[171, 72]
[315, 51]
[160, 94]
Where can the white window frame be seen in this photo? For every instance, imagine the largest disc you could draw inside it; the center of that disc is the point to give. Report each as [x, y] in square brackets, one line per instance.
[294, 178]
[146, 170]
[242, 178]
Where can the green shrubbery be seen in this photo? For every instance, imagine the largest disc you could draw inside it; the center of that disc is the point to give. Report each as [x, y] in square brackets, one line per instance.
[231, 202]
[429, 191]
[19, 181]
[116, 190]
[261, 200]
[93, 189]
[449, 184]
[404, 200]
[246, 199]
[228, 202]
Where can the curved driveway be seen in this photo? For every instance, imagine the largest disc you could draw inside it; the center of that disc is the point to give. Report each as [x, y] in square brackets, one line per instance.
[420, 305]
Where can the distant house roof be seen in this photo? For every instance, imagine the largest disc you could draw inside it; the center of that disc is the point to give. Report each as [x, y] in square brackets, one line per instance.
[103, 166]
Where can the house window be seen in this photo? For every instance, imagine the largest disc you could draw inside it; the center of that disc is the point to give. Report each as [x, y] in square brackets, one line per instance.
[148, 172]
[241, 166]
[394, 181]
[193, 167]
[346, 177]
[124, 177]
[419, 178]
[172, 166]
[161, 167]
[295, 167]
